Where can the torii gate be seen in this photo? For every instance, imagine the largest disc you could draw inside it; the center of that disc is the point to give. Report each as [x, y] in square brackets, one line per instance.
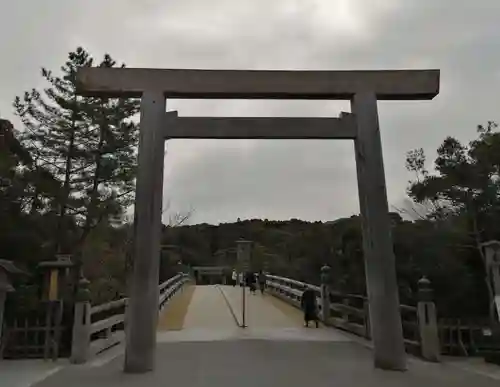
[362, 88]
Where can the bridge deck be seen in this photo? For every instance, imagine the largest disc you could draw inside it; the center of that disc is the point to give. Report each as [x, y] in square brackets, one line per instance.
[200, 344]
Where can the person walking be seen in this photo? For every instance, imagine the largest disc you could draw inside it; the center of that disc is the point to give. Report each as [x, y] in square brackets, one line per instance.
[262, 282]
[234, 278]
[309, 306]
[251, 282]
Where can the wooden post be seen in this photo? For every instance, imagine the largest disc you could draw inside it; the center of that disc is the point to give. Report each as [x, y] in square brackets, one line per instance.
[345, 313]
[53, 284]
[325, 293]
[52, 295]
[58, 316]
[48, 330]
[80, 344]
[385, 317]
[143, 316]
[366, 309]
[7, 268]
[3, 296]
[427, 322]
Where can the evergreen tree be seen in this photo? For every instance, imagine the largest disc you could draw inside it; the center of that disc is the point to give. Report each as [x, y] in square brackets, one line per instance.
[467, 187]
[108, 184]
[88, 144]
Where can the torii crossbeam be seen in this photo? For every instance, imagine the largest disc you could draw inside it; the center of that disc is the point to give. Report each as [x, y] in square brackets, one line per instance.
[362, 88]
[260, 128]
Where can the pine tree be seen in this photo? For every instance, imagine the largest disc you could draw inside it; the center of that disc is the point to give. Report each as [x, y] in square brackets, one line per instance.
[88, 144]
[108, 184]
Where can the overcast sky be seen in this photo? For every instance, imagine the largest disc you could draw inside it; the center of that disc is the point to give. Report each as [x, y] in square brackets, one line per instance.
[312, 180]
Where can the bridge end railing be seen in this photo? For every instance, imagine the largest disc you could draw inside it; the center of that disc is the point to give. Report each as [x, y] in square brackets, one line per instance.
[98, 328]
[350, 312]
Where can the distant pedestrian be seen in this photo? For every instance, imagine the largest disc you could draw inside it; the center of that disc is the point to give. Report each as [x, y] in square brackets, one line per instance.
[251, 282]
[234, 278]
[262, 281]
[309, 306]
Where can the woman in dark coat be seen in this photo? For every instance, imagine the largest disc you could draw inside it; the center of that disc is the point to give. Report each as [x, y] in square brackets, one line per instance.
[308, 303]
[251, 282]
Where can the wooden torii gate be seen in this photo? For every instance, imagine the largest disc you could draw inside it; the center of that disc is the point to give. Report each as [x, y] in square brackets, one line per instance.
[362, 88]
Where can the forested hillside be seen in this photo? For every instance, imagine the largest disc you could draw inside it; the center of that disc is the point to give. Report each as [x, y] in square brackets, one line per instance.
[298, 249]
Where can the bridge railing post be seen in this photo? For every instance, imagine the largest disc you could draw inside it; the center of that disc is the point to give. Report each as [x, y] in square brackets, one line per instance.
[325, 293]
[366, 309]
[80, 343]
[81, 333]
[427, 322]
[345, 313]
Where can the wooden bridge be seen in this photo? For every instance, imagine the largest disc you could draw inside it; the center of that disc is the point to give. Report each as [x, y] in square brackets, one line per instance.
[201, 342]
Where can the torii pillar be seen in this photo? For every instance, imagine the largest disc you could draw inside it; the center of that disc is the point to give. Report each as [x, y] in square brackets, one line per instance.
[143, 316]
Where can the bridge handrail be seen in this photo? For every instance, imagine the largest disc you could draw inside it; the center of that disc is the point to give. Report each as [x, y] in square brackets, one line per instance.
[166, 289]
[170, 281]
[352, 318]
[350, 312]
[93, 333]
[109, 305]
[170, 287]
[297, 284]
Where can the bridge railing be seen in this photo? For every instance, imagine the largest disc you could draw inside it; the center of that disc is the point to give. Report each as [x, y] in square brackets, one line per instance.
[170, 287]
[347, 311]
[465, 337]
[289, 290]
[350, 312]
[97, 328]
[106, 324]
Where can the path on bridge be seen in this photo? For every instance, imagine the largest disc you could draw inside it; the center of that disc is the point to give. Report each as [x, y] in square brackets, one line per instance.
[215, 313]
[201, 344]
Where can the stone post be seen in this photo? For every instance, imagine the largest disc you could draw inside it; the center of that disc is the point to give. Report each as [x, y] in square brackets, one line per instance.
[427, 322]
[385, 317]
[80, 343]
[325, 293]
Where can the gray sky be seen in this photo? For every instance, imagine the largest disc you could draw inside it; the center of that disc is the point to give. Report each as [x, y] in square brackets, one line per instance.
[313, 180]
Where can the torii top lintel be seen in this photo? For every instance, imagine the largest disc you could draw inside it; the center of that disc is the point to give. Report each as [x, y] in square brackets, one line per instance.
[258, 84]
